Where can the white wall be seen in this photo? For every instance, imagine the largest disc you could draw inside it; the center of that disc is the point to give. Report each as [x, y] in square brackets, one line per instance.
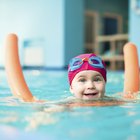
[40, 19]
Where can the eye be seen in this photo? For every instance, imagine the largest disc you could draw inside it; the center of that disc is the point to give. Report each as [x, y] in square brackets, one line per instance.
[82, 80]
[97, 79]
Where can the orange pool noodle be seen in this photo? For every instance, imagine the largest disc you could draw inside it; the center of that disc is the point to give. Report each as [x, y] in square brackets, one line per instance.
[14, 71]
[131, 75]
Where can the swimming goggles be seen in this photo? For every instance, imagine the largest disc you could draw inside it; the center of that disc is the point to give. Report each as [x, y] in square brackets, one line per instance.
[94, 61]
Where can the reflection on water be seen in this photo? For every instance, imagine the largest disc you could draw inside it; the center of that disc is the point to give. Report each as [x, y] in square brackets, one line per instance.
[57, 119]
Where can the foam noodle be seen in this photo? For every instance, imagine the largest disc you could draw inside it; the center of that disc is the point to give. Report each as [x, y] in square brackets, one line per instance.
[14, 71]
[131, 81]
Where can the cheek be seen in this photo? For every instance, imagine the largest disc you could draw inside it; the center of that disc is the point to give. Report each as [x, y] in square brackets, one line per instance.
[101, 87]
[73, 89]
[76, 89]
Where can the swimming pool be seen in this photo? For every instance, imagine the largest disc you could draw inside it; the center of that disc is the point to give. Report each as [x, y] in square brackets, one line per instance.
[22, 121]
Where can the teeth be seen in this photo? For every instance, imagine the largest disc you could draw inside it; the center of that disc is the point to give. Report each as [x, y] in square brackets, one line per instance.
[90, 93]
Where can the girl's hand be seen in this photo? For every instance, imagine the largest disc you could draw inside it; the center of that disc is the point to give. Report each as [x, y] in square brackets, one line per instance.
[130, 95]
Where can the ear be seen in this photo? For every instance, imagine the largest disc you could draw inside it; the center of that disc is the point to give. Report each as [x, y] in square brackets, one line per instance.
[71, 90]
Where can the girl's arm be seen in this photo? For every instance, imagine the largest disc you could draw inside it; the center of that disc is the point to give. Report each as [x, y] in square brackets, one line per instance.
[13, 69]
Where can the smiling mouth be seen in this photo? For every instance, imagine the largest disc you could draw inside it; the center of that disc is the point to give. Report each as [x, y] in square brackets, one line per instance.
[90, 94]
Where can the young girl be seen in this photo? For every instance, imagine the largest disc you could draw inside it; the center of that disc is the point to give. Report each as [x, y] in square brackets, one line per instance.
[86, 74]
[87, 77]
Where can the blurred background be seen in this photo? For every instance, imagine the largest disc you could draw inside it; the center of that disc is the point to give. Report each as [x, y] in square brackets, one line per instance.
[51, 32]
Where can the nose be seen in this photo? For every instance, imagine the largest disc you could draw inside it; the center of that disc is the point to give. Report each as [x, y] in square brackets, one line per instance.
[91, 85]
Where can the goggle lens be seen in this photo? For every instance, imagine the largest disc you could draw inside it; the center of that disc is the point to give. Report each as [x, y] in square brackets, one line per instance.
[94, 61]
[77, 62]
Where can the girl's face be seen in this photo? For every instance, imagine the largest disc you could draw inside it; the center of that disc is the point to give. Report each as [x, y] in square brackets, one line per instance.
[88, 85]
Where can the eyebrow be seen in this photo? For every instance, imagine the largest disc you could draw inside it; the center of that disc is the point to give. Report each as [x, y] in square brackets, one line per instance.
[81, 76]
[98, 75]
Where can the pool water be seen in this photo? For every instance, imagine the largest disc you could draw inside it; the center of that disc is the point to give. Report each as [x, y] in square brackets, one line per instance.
[19, 120]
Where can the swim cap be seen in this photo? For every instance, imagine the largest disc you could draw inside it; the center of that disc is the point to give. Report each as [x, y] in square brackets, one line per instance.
[86, 66]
